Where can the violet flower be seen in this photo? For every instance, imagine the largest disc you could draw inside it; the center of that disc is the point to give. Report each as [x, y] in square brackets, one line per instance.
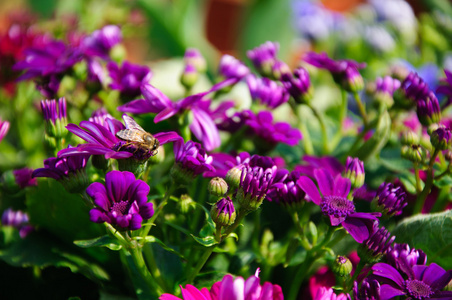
[191, 161]
[55, 116]
[69, 171]
[223, 212]
[24, 177]
[298, 85]
[18, 220]
[369, 290]
[231, 68]
[101, 41]
[385, 88]
[102, 140]
[325, 293]
[446, 87]
[193, 57]
[254, 185]
[345, 72]
[312, 163]
[412, 88]
[390, 200]
[416, 282]
[128, 78]
[354, 170]
[286, 191]
[266, 92]
[100, 117]
[263, 57]
[122, 201]
[231, 288]
[4, 127]
[377, 245]
[273, 133]
[428, 110]
[335, 204]
[202, 126]
[400, 256]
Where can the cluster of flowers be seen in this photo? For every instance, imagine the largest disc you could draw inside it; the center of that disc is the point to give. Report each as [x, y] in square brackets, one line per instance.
[242, 180]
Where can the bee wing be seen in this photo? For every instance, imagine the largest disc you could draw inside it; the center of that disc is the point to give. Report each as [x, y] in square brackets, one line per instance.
[131, 135]
[131, 124]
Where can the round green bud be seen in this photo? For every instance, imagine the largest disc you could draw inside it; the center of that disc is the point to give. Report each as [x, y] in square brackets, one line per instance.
[233, 177]
[409, 138]
[414, 153]
[223, 212]
[217, 187]
[342, 266]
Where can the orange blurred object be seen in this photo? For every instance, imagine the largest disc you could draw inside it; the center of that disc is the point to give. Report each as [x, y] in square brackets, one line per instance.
[342, 5]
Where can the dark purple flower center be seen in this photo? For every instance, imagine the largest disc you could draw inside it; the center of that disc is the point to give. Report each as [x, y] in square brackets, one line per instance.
[337, 206]
[418, 289]
[120, 208]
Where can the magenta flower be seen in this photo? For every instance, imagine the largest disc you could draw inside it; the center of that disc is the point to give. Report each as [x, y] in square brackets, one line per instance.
[266, 92]
[273, 133]
[298, 85]
[335, 204]
[103, 141]
[446, 87]
[191, 161]
[325, 162]
[4, 127]
[202, 126]
[285, 189]
[128, 78]
[400, 255]
[18, 220]
[416, 282]
[232, 68]
[231, 288]
[101, 41]
[24, 177]
[264, 57]
[121, 202]
[325, 293]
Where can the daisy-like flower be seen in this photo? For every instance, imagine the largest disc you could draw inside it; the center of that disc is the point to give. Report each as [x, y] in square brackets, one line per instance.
[102, 140]
[336, 206]
[400, 255]
[232, 68]
[298, 85]
[128, 78]
[231, 288]
[285, 189]
[415, 282]
[122, 201]
[266, 92]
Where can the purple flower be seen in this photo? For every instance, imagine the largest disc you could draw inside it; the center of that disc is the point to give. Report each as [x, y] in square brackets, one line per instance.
[345, 72]
[377, 245]
[428, 110]
[370, 290]
[354, 170]
[400, 256]
[193, 57]
[101, 41]
[446, 87]
[384, 89]
[273, 133]
[335, 204]
[298, 85]
[191, 161]
[326, 162]
[390, 200]
[441, 138]
[24, 177]
[266, 91]
[254, 185]
[128, 78]
[4, 127]
[102, 140]
[412, 88]
[202, 126]
[230, 288]
[285, 189]
[55, 115]
[17, 219]
[324, 293]
[121, 202]
[263, 57]
[100, 117]
[223, 212]
[419, 282]
[232, 68]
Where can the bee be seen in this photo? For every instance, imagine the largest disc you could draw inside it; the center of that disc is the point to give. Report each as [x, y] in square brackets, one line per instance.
[134, 134]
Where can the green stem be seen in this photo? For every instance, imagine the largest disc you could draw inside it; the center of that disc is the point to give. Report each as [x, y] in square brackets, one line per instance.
[154, 270]
[446, 172]
[137, 257]
[307, 142]
[319, 117]
[362, 108]
[358, 270]
[343, 114]
[240, 216]
[418, 178]
[420, 201]
[303, 240]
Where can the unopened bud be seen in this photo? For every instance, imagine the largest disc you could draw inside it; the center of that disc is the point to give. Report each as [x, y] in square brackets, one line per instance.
[342, 266]
[409, 138]
[223, 212]
[441, 138]
[189, 77]
[233, 177]
[217, 187]
[414, 153]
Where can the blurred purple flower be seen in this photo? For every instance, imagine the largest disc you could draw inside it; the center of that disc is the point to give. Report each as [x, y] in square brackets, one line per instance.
[419, 282]
[325, 293]
[18, 220]
[298, 85]
[101, 41]
[335, 204]
[4, 127]
[121, 202]
[428, 110]
[102, 140]
[100, 117]
[273, 133]
[24, 177]
[329, 163]
[232, 68]
[264, 57]
[266, 92]
[390, 200]
[128, 78]
[446, 88]
[191, 159]
[230, 288]
[193, 57]
[54, 111]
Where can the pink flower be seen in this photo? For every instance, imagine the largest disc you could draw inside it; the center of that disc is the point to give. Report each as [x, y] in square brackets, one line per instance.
[231, 288]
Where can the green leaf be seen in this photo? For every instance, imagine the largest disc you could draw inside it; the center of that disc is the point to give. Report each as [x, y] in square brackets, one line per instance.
[409, 182]
[41, 250]
[444, 181]
[153, 239]
[103, 241]
[432, 233]
[207, 241]
[378, 140]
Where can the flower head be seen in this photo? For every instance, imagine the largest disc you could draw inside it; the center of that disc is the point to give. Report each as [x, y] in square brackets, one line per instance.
[4, 127]
[412, 88]
[191, 161]
[223, 212]
[298, 85]
[231, 288]
[428, 109]
[24, 177]
[128, 78]
[17, 219]
[232, 68]
[55, 115]
[285, 189]
[335, 204]
[441, 138]
[377, 245]
[415, 282]
[400, 255]
[101, 41]
[369, 290]
[390, 200]
[354, 170]
[325, 293]
[121, 201]
[266, 91]
[263, 57]
[193, 57]
[384, 89]
[254, 185]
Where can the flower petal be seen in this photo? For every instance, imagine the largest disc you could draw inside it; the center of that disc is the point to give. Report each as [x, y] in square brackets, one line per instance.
[166, 137]
[308, 186]
[357, 228]
[341, 186]
[389, 272]
[389, 292]
[325, 181]
[115, 185]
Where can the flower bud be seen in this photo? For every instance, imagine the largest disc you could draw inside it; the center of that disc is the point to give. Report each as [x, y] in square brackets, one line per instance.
[223, 212]
[389, 200]
[428, 110]
[441, 138]
[189, 77]
[377, 245]
[233, 177]
[298, 85]
[193, 57]
[186, 203]
[351, 80]
[409, 138]
[217, 187]
[414, 153]
[354, 170]
[342, 266]
[279, 69]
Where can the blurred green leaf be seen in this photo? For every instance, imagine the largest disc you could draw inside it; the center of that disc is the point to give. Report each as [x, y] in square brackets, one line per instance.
[207, 241]
[432, 233]
[444, 181]
[153, 239]
[103, 241]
